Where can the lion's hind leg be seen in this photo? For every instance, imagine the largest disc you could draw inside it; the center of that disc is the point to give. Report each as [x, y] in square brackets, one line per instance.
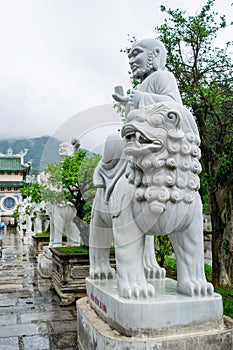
[100, 241]
[151, 267]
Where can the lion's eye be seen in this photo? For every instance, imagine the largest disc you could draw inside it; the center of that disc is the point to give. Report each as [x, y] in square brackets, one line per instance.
[141, 138]
[156, 120]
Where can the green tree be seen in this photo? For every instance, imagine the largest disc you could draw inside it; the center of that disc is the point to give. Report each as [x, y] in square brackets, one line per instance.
[163, 249]
[52, 190]
[205, 77]
[77, 178]
[33, 191]
[70, 180]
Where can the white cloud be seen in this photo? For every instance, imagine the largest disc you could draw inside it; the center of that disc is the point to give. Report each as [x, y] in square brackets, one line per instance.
[60, 57]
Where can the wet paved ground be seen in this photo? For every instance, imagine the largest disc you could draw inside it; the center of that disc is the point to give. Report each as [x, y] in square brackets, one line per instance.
[30, 315]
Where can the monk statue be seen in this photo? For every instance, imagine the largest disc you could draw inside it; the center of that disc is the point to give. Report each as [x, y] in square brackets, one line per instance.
[147, 60]
[148, 185]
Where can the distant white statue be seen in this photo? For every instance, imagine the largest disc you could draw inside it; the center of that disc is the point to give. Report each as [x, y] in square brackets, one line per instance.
[28, 212]
[62, 214]
[61, 220]
[21, 226]
[39, 211]
[65, 150]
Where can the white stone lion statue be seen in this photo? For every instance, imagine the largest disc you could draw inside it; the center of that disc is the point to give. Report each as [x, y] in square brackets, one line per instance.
[151, 188]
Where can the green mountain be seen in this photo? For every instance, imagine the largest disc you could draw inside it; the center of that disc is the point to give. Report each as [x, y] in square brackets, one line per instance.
[41, 150]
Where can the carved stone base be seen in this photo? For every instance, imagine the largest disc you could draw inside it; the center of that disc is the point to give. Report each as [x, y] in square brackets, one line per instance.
[39, 242]
[168, 312]
[30, 247]
[94, 333]
[26, 240]
[45, 263]
[69, 274]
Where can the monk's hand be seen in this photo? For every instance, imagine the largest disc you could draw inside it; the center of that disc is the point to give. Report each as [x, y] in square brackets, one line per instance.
[121, 98]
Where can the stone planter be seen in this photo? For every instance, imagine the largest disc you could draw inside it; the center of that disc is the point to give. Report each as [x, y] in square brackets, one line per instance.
[38, 242]
[69, 274]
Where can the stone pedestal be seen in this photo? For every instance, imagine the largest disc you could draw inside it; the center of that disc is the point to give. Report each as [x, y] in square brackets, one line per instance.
[69, 273]
[27, 237]
[30, 247]
[94, 333]
[38, 243]
[167, 321]
[45, 263]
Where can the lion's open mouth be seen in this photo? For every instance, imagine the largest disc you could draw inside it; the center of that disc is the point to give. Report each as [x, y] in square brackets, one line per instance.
[140, 141]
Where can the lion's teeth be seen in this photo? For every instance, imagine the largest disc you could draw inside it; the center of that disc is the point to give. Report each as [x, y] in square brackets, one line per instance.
[138, 135]
[157, 142]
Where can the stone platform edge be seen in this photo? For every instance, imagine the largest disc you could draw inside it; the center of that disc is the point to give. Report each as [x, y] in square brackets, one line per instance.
[168, 313]
[94, 333]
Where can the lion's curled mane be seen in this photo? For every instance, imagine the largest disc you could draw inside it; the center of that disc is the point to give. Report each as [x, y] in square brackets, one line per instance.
[168, 172]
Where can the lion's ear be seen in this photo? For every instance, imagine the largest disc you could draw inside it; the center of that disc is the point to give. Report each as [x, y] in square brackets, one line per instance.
[156, 51]
[173, 117]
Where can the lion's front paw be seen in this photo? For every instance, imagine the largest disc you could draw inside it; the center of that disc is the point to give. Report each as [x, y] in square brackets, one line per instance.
[102, 274]
[195, 288]
[137, 291]
[154, 272]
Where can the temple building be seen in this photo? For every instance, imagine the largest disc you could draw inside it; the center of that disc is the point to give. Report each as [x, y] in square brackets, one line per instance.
[13, 172]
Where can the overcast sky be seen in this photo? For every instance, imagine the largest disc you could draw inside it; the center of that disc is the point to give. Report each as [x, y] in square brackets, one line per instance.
[62, 57]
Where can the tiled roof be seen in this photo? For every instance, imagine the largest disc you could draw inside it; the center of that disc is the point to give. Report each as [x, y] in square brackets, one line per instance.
[12, 164]
[12, 184]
